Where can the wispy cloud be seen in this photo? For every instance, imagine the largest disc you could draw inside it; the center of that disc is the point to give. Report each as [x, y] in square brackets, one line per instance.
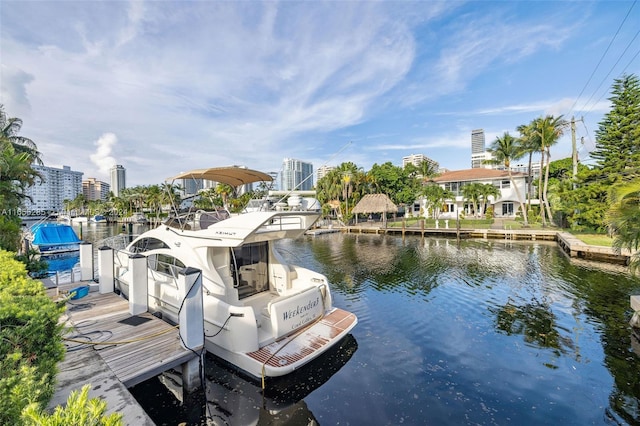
[195, 84]
[103, 156]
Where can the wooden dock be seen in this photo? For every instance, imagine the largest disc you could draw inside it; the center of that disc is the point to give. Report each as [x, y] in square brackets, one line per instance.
[135, 348]
[112, 350]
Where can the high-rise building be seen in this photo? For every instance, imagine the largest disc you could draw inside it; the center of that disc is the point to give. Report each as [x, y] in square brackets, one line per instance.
[193, 186]
[95, 190]
[417, 159]
[49, 191]
[118, 179]
[323, 171]
[477, 148]
[296, 175]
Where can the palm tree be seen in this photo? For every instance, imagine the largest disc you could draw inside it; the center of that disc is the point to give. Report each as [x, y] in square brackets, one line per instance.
[153, 199]
[428, 170]
[225, 192]
[471, 193]
[487, 190]
[16, 174]
[435, 196]
[347, 188]
[424, 171]
[506, 149]
[623, 218]
[548, 129]
[9, 129]
[530, 144]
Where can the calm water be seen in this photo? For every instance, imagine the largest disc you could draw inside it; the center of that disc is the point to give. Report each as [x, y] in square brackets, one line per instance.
[482, 333]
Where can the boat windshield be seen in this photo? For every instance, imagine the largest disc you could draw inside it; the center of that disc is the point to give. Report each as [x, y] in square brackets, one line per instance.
[147, 244]
[200, 219]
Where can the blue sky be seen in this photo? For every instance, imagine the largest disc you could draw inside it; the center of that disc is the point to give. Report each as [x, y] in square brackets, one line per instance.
[162, 87]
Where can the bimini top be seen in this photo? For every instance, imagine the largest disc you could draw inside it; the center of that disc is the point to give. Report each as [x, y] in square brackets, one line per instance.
[232, 175]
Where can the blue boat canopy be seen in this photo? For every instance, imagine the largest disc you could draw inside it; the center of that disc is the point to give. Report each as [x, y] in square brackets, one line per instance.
[53, 234]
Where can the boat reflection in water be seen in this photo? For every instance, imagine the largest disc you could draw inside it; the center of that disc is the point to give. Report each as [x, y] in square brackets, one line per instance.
[233, 398]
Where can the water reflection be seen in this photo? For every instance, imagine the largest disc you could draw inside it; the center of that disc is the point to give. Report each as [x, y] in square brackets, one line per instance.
[481, 332]
[232, 398]
[553, 329]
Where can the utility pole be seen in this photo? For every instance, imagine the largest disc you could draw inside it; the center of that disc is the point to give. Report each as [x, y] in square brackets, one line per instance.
[574, 151]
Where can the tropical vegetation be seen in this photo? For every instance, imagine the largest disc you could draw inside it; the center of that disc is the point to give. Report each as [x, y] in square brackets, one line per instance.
[30, 341]
[79, 410]
[17, 154]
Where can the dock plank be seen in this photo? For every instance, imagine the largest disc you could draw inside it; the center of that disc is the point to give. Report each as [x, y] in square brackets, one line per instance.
[144, 345]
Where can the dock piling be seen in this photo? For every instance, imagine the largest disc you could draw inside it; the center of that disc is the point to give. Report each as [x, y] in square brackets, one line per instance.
[86, 261]
[191, 318]
[138, 288]
[105, 270]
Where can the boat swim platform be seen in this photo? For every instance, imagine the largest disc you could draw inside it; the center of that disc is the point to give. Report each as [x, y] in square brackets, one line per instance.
[297, 346]
[121, 351]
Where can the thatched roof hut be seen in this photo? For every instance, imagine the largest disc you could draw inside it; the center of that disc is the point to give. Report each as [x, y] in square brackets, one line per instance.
[374, 203]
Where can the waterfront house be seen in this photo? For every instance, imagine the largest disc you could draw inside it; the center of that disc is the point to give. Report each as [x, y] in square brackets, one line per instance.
[505, 205]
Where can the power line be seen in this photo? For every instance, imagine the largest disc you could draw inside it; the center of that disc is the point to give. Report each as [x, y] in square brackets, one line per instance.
[602, 58]
[606, 76]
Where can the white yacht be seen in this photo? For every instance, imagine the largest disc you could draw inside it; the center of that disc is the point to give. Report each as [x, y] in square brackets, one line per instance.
[261, 314]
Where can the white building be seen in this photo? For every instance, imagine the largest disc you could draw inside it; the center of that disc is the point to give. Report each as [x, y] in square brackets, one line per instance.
[296, 175]
[56, 185]
[323, 171]
[480, 160]
[118, 179]
[477, 148]
[505, 205]
[417, 159]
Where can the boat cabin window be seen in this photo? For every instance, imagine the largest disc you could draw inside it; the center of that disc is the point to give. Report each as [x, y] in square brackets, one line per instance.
[249, 269]
[165, 264]
[146, 244]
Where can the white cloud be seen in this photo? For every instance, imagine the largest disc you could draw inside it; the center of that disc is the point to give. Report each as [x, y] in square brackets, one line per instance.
[103, 157]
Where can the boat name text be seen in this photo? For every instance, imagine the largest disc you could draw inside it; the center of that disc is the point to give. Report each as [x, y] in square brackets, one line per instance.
[300, 309]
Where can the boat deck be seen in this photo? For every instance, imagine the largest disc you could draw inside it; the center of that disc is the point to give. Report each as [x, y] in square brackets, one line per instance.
[295, 347]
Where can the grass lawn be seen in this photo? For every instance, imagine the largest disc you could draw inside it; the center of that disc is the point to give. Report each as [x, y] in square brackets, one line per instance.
[595, 239]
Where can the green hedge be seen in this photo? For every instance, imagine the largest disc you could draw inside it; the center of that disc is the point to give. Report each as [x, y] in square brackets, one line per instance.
[30, 341]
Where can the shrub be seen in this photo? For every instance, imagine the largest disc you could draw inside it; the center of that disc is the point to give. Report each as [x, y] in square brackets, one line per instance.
[36, 266]
[79, 410]
[30, 340]
[489, 213]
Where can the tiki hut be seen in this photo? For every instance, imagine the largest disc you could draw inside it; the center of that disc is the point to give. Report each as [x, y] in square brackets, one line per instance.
[375, 203]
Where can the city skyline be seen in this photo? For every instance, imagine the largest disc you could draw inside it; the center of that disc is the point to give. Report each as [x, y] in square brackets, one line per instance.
[164, 87]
